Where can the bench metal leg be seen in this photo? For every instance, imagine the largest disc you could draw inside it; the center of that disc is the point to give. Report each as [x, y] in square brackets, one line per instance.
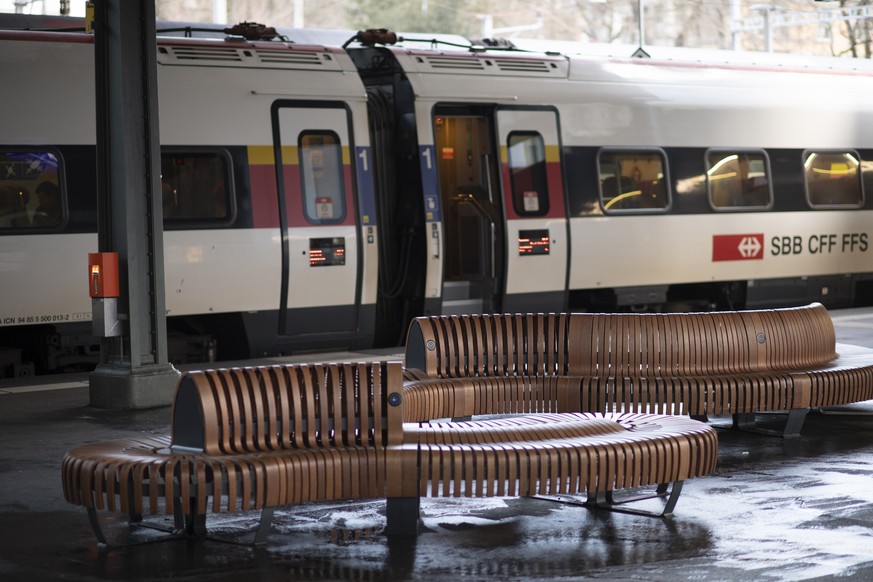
[259, 538]
[402, 514]
[264, 526]
[95, 525]
[135, 521]
[606, 500]
[746, 422]
[184, 526]
[796, 416]
[195, 525]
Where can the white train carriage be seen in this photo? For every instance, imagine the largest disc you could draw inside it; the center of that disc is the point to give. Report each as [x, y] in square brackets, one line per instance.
[263, 260]
[596, 182]
[737, 160]
[320, 193]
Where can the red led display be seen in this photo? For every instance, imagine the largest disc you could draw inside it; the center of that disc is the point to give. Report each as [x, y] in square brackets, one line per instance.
[533, 242]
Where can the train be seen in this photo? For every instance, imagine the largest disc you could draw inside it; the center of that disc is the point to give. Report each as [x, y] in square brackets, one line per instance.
[321, 188]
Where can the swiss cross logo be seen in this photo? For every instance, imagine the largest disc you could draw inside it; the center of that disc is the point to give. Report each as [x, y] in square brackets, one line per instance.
[737, 247]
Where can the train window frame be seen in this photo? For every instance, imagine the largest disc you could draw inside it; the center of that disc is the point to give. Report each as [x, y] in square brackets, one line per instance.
[739, 151]
[311, 209]
[630, 152]
[520, 199]
[804, 159]
[202, 222]
[31, 201]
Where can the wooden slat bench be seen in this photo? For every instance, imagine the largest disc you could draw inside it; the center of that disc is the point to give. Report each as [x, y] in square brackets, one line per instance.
[550, 456]
[699, 364]
[248, 438]
[264, 437]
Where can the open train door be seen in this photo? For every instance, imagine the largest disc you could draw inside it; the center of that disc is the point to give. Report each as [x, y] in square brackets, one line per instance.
[537, 240]
[321, 277]
[472, 216]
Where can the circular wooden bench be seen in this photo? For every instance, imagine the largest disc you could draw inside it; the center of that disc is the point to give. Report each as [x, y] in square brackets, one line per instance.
[247, 438]
[260, 438]
[698, 364]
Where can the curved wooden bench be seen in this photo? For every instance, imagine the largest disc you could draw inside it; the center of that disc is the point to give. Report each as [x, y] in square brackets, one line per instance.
[247, 438]
[259, 438]
[532, 450]
[565, 453]
[700, 364]
[550, 456]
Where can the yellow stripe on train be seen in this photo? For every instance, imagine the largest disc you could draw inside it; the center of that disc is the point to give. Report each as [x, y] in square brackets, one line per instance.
[553, 154]
[265, 155]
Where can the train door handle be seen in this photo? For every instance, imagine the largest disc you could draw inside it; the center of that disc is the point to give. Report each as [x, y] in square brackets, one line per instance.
[434, 240]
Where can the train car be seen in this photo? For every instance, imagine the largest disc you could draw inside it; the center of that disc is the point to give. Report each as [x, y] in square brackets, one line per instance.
[593, 181]
[323, 187]
[268, 202]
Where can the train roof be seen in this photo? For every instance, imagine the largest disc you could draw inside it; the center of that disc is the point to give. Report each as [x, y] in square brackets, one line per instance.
[171, 29]
[694, 55]
[455, 45]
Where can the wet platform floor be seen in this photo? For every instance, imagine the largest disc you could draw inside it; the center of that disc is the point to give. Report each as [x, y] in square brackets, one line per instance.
[776, 509]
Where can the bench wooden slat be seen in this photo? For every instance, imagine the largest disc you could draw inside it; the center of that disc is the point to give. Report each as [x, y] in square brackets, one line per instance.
[544, 465]
[701, 364]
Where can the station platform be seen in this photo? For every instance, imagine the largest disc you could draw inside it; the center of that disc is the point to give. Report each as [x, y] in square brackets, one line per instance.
[775, 510]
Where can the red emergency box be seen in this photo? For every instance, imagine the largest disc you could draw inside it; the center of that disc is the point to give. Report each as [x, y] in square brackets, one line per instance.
[103, 275]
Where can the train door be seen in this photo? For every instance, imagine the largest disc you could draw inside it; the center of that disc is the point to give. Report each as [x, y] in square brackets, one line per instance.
[321, 277]
[537, 240]
[466, 164]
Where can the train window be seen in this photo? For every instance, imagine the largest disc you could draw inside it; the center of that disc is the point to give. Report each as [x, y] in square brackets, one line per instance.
[833, 179]
[30, 191]
[738, 179]
[527, 173]
[633, 180]
[195, 187]
[321, 174]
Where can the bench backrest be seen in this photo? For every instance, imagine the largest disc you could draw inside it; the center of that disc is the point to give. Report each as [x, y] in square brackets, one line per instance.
[451, 346]
[612, 345]
[237, 410]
